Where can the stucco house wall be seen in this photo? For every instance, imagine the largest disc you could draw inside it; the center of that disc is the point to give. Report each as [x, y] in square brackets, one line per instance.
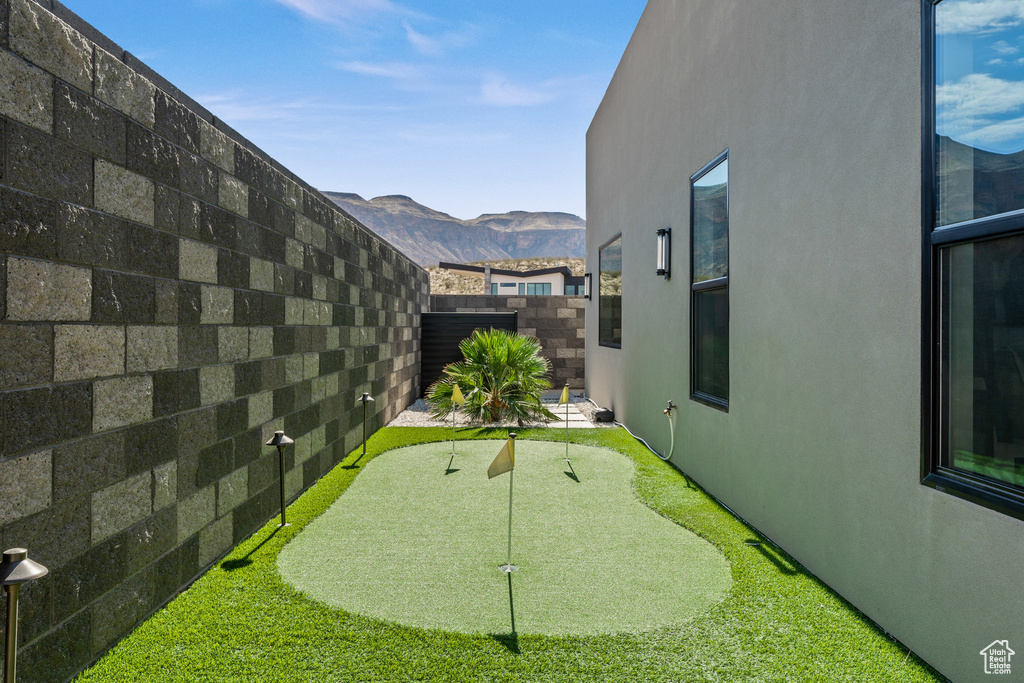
[819, 106]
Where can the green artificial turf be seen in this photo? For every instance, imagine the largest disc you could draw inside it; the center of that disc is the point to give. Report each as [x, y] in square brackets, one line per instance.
[418, 544]
[242, 622]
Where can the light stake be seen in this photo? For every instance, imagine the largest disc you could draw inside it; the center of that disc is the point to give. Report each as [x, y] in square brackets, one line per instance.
[365, 400]
[280, 440]
[16, 569]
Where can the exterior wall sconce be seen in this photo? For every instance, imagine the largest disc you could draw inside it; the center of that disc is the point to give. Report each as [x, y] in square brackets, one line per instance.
[586, 285]
[664, 247]
[16, 569]
[280, 440]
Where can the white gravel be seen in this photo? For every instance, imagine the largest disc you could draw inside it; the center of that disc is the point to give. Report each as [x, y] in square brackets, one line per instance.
[418, 415]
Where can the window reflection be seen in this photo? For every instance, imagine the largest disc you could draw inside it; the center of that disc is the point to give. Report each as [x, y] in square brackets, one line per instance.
[711, 343]
[609, 306]
[979, 101]
[983, 349]
[711, 224]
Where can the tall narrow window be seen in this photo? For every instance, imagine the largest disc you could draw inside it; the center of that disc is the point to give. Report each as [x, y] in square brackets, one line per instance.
[609, 297]
[709, 225]
[974, 228]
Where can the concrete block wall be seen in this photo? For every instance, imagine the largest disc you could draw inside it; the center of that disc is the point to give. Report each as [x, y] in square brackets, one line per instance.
[557, 321]
[169, 296]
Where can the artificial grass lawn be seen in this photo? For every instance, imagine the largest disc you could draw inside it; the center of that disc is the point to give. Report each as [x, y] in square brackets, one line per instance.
[413, 544]
[242, 622]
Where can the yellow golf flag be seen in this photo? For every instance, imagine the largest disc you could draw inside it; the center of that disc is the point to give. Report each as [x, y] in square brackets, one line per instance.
[565, 396]
[504, 462]
[457, 396]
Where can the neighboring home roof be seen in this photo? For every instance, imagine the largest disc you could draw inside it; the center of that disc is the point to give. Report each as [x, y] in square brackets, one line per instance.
[478, 271]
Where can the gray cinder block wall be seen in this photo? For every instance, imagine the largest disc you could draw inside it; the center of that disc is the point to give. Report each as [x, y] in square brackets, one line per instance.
[557, 321]
[169, 296]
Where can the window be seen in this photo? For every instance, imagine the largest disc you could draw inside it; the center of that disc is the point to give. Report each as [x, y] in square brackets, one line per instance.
[522, 289]
[709, 288]
[573, 290]
[494, 288]
[974, 256]
[609, 296]
[538, 288]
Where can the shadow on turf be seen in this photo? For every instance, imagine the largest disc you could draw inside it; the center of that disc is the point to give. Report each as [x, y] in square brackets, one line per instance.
[509, 640]
[782, 562]
[244, 561]
[354, 464]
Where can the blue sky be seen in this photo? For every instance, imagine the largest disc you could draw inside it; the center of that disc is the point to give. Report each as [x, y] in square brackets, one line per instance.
[980, 85]
[469, 107]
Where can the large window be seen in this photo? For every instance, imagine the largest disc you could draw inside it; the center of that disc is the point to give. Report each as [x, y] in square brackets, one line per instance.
[609, 298]
[974, 227]
[709, 242]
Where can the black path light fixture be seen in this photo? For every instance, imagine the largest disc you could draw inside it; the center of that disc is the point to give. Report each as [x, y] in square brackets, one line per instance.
[16, 569]
[664, 248]
[365, 400]
[280, 440]
[587, 277]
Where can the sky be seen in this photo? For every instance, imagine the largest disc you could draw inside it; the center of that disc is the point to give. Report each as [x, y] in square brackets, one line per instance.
[467, 106]
[980, 63]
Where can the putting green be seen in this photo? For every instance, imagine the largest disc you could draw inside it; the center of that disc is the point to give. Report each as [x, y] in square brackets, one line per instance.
[410, 544]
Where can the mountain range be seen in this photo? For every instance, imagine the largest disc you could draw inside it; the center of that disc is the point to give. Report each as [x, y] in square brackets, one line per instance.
[428, 236]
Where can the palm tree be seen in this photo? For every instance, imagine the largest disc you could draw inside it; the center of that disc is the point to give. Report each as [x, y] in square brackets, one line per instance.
[502, 378]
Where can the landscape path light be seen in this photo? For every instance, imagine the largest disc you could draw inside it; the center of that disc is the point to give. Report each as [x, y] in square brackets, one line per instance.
[16, 569]
[280, 440]
[365, 400]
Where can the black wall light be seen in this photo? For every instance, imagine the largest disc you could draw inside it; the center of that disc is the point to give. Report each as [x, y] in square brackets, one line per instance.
[586, 285]
[664, 247]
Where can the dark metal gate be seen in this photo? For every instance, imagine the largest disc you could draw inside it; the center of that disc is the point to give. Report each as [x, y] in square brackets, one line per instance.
[441, 333]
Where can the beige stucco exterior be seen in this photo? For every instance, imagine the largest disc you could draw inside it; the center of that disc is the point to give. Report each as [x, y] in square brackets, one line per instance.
[819, 105]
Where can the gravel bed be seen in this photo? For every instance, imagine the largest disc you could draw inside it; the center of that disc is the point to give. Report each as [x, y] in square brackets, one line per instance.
[418, 415]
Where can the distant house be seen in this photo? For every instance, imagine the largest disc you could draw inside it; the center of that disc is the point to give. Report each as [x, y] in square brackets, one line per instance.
[542, 282]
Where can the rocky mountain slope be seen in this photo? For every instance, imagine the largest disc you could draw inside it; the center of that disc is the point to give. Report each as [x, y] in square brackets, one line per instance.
[428, 236]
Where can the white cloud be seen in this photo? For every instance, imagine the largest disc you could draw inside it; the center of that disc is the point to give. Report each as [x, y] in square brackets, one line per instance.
[978, 16]
[996, 133]
[1004, 48]
[423, 44]
[979, 95]
[974, 110]
[237, 106]
[395, 70]
[338, 11]
[498, 90]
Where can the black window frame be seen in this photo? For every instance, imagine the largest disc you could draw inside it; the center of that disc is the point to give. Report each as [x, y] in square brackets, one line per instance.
[600, 249]
[717, 284]
[973, 487]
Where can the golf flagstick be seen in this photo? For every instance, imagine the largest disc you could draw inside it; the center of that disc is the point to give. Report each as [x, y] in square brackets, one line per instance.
[457, 400]
[504, 462]
[565, 399]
